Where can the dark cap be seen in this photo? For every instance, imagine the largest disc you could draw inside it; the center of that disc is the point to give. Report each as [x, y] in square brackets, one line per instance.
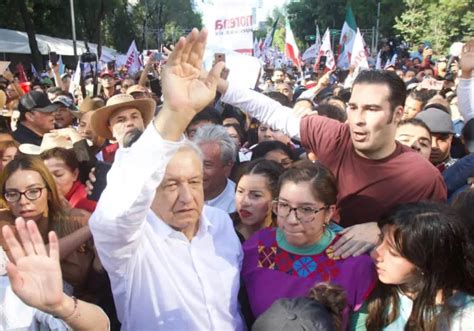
[65, 101]
[295, 314]
[37, 101]
[438, 121]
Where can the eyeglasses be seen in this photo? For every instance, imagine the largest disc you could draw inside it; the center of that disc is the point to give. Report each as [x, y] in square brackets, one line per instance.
[303, 214]
[31, 194]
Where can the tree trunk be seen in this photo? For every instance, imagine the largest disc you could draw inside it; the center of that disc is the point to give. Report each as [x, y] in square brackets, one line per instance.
[30, 31]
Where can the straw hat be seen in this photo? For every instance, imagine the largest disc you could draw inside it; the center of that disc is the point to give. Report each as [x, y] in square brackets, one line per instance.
[89, 104]
[50, 140]
[100, 118]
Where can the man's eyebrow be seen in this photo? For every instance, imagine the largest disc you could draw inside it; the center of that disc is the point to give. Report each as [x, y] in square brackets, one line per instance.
[405, 135]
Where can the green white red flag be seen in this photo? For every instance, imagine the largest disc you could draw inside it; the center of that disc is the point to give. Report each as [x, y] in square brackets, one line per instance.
[346, 42]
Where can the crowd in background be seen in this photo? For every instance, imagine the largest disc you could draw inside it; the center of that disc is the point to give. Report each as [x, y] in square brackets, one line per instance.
[175, 199]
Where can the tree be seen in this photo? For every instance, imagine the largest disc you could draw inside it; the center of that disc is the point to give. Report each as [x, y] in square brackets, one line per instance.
[408, 24]
[30, 30]
[305, 14]
[441, 22]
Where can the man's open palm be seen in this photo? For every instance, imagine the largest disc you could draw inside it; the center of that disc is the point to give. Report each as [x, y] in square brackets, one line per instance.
[185, 89]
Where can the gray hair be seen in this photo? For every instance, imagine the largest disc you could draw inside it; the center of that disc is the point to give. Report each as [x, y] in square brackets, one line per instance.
[212, 133]
[191, 145]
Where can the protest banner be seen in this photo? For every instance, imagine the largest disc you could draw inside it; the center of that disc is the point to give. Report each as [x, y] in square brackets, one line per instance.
[230, 28]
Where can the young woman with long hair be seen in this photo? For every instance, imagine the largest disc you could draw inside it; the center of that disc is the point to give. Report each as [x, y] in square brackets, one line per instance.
[425, 267]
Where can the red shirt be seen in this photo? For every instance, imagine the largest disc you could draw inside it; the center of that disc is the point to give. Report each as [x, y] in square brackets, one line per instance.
[77, 197]
[369, 188]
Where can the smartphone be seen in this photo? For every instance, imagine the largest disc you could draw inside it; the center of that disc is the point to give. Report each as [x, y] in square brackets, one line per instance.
[53, 58]
[322, 63]
[219, 57]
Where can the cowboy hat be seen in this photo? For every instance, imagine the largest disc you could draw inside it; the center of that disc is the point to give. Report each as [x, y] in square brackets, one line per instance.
[87, 105]
[100, 118]
[50, 140]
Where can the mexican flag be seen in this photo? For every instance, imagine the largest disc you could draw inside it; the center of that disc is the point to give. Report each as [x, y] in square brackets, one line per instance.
[348, 33]
[291, 49]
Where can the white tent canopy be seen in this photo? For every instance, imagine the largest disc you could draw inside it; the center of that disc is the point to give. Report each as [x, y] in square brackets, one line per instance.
[17, 42]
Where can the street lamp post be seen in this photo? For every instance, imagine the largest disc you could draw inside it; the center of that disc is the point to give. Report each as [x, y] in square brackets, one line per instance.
[73, 24]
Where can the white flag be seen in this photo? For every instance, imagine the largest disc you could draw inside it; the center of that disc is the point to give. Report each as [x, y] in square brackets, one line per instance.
[76, 79]
[133, 59]
[359, 56]
[326, 51]
[313, 51]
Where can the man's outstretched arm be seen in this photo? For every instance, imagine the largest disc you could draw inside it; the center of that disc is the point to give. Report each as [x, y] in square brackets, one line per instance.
[261, 107]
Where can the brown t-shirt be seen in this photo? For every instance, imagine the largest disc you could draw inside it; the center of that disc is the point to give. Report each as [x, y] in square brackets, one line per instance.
[369, 188]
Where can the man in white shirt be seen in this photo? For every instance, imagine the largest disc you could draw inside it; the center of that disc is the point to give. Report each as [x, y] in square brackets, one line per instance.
[173, 264]
[219, 153]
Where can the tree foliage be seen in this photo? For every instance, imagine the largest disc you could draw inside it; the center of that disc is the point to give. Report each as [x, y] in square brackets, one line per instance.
[441, 22]
[114, 23]
[305, 14]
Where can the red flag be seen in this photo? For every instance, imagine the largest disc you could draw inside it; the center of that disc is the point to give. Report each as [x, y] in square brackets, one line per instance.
[291, 49]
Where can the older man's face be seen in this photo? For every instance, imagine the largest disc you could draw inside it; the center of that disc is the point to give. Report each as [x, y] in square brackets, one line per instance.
[180, 197]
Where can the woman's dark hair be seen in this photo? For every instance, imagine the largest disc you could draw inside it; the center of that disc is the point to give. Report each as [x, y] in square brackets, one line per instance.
[233, 112]
[240, 132]
[279, 97]
[323, 182]
[67, 155]
[463, 204]
[331, 111]
[333, 298]
[262, 148]
[432, 237]
[271, 170]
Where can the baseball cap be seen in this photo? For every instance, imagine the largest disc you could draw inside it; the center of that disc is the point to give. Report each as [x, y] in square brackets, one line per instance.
[295, 314]
[66, 101]
[37, 101]
[438, 121]
[107, 73]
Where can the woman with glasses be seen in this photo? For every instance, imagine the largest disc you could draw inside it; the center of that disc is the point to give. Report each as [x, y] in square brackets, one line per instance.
[287, 261]
[29, 191]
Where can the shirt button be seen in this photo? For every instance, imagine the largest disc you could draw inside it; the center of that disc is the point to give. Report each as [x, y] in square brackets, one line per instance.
[292, 317]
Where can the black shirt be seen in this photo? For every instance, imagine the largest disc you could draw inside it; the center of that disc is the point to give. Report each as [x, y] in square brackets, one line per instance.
[26, 136]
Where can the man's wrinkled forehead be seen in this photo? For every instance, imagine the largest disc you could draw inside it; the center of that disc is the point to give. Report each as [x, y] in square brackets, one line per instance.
[122, 111]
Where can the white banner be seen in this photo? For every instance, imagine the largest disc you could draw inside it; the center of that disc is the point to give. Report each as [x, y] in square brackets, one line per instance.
[230, 27]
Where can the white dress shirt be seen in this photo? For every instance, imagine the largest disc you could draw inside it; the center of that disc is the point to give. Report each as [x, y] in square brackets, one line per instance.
[160, 279]
[226, 200]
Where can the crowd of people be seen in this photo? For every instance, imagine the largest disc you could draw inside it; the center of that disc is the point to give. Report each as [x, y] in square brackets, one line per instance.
[337, 201]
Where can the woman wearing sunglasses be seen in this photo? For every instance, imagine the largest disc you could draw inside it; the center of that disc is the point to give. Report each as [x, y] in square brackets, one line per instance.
[29, 191]
[287, 261]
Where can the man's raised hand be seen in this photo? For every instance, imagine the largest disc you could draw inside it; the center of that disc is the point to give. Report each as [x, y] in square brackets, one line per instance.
[185, 89]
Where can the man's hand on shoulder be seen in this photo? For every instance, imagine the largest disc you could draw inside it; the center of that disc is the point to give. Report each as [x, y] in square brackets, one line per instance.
[357, 240]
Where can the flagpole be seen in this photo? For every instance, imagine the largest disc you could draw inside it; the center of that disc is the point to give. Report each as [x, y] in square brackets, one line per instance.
[73, 24]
